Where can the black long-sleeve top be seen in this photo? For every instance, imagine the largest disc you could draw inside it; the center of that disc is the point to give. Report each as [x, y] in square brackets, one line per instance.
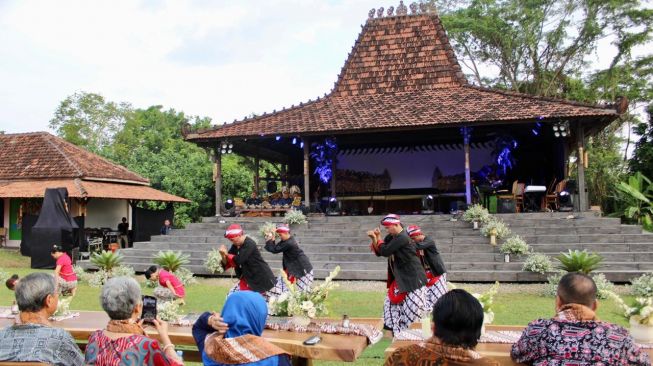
[251, 266]
[403, 264]
[432, 258]
[294, 259]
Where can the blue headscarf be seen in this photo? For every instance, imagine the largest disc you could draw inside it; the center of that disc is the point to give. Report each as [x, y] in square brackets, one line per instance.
[245, 312]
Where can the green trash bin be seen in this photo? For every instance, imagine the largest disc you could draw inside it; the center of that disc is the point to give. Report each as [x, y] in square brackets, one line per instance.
[493, 204]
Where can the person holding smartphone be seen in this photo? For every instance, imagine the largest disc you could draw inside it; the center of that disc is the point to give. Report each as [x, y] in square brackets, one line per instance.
[123, 341]
[406, 300]
[295, 263]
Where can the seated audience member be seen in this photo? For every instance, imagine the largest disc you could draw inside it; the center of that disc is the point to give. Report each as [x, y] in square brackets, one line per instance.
[123, 341]
[34, 339]
[575, 336]
[253, 199]
[167, 226]
[234, 338]
[12, 282]
[457, 322]
[170, 287]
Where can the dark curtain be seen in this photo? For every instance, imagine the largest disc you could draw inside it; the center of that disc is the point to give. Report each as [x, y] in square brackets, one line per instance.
[146, 223]
[54, 226]
[26, 228]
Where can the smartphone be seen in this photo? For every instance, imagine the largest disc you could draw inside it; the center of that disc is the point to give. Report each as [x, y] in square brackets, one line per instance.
[313, 340]
[149, 308]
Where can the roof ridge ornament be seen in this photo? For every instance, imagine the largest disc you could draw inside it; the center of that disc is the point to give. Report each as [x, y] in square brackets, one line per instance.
[400, 10]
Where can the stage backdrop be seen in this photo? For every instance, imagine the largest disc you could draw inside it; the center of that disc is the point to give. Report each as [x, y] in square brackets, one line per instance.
[416, 169]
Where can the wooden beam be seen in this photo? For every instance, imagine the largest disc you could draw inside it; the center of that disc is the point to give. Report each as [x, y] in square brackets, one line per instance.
[582, 191]
[333, 177]
[218, 182]
[249, 149]
[307, 201]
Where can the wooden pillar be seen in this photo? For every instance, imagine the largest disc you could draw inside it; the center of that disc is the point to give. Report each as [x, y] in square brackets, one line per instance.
[307, 192]
[580, 163]
[468, 179]
[218, 181]
[333, 177]
[257, 178]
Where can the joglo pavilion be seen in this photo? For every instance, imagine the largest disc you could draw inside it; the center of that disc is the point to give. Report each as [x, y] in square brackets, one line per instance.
[402, 122]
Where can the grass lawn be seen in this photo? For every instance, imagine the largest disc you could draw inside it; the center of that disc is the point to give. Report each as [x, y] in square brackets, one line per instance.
[510, 307]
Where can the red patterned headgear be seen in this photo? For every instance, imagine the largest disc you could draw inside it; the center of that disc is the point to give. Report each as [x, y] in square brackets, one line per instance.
[282, 228]
[233, 231]
[390, 220]
[414, 231]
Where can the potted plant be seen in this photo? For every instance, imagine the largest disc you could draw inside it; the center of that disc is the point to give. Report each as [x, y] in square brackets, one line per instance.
[495, 229]
[538, 263]
[579, 261]
[514, 245]
[172, 262]
[295, 217]
[476, 214]
[487, 300]
[640, 317]
[303, 306]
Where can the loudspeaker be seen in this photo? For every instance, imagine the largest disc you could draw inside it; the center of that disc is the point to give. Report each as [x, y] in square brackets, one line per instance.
[506, 206]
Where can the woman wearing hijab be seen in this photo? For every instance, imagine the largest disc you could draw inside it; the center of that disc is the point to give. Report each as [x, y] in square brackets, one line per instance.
[240, 342]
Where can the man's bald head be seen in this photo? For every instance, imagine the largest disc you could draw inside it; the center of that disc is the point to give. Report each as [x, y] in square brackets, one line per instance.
[577, 288]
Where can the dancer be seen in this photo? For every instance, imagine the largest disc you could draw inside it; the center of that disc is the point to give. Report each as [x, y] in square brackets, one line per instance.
[170, 287]
[64, 272]
[295, 262]
[406, 301]
[243, 256]
[436, 274]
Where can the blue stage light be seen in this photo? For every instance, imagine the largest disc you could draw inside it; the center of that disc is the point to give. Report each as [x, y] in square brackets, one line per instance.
[278, 138]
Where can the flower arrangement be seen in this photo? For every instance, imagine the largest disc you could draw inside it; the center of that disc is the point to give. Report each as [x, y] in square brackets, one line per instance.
[515, 245]
[213, 262]
[266, 229]
[641, 312]
[538, 263]
[100, 277]
[63, 306]
[496, 226]
[294, 217]
[185, 276]
[303, 303]
[476, 213]
[168, 311]
[642, 286]
[487, 300]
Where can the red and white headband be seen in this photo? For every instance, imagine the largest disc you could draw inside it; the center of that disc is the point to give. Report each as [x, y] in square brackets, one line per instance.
[414, 231]
[233, 231]
[282, 228]
[390, 220]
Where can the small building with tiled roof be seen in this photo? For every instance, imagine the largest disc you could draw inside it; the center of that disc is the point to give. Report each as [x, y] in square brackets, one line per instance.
[402, 108]
[98, 189]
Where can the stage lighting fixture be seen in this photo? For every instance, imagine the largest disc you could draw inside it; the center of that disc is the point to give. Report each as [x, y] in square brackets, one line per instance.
[561, 129]
[428, 203]
[294, 140]
[333, 207]
[278, 138]
[555, 127]
[229, 204]
[565, 201]
[556, 134]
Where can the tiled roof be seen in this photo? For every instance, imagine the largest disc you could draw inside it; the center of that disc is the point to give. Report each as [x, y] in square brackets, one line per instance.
[402, 72]
[40, 155]
[78, 188]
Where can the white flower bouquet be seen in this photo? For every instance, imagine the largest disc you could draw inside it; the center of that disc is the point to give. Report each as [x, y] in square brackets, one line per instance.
[476, 213]
[303, 303]
[214, 262]
[168, 311]
[641, 311]
[487, 300]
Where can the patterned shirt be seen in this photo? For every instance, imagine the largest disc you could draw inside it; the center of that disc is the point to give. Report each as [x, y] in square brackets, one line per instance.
[132, 350]
[39, 343]
[571, 338]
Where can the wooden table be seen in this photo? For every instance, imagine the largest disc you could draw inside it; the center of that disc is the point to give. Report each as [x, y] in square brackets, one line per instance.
[262, 211]
[497, 351]
[333, 347]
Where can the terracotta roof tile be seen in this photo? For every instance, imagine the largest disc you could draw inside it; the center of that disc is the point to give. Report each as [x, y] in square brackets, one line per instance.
[401, 72]
[41, 155]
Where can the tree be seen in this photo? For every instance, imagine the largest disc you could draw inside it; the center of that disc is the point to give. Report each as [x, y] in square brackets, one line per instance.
[88, 120]
[642, 160]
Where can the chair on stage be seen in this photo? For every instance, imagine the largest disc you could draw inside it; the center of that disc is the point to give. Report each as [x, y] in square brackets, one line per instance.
[516, 195]
[551, 200]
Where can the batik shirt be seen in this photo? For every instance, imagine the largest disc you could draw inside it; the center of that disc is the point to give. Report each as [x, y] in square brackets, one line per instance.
[39, 343]
[575, 338]
[131, 350]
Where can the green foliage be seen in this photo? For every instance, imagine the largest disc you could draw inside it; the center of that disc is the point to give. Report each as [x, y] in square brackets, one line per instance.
[3, 275]
[185, 276]
[170, 260]
[642, 159]
[606, 167]
[107, 260]
[635, 198]
[515, 245]
[89, 121]
[294, 217]
[538, 263]
[579, 261]
[642, 286]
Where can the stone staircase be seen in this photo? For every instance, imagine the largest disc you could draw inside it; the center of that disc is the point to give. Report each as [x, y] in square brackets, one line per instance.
[329, 241]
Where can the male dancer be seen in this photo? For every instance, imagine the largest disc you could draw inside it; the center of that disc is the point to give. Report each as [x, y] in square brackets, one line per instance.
[436, 274]
[295, 262]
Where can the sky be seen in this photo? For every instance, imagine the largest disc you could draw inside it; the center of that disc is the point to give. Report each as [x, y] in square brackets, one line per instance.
[214, 58]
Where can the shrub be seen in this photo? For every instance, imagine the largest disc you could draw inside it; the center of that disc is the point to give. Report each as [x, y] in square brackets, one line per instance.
[476, 213]
[185, 276]
[171, 261]
[551, 287]
[3, 275]
[100, 277]
[294, 217]
[106, 260]
[501, 228]
[579, 261]
[603, 286]
[213, 262]
[642, 286]
[515, 245]
[538, 263]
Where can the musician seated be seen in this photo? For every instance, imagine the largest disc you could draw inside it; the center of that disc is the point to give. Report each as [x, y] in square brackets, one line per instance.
[253, 199]
[285, 199]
